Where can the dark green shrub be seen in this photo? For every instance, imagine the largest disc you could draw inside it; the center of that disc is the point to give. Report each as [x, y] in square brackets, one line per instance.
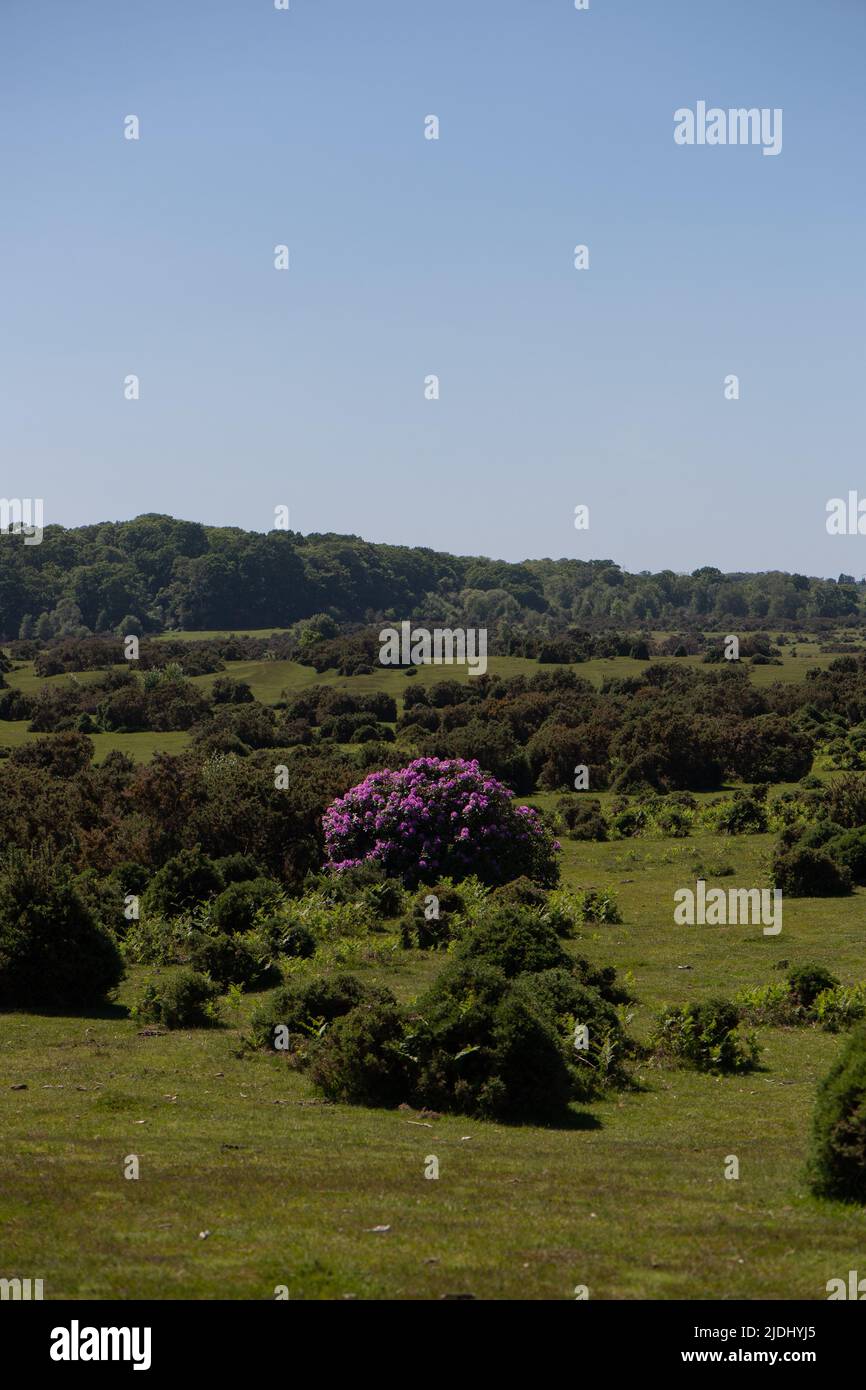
[229, 960]
[455, 1040]
[744, 815]
[183, 882]
[629, 822]
[562, 994]
[849, 850]
[601, 978]
[304, 1008]
[362, 1057]
[582, 817]
[838, 1155]
[227, 691]
[704, 1036]
[515, 939]
[815, 836]
[674, 822]
[521, 891]
[810, 873]
[385, 898]
[567, 1002]
[504, 1048]
[236, 907]
[529, 1076]
[806, 982]
[237, 868]
[53, 952]
[104, 898]
[184, 999]
[429, 923]
[845, 799]
[294, 939]
[130, 877]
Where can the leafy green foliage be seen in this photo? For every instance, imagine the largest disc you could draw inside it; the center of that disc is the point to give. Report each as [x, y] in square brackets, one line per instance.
[838, 1154]
[184, 881]
[183, 999]
[704, 1036]
[53, 952]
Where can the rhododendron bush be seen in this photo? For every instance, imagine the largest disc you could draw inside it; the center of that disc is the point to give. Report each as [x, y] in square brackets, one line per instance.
[435, 817]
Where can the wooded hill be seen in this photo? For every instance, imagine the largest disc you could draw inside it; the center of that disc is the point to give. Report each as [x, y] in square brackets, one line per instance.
[157, 572]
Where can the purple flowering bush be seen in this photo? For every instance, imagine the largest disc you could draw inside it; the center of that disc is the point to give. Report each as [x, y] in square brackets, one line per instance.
[436, 817]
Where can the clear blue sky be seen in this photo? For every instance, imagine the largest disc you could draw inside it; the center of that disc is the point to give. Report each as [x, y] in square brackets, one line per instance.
[411, 257]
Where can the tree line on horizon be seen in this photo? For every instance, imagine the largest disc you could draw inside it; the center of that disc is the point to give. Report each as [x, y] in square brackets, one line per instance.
[157, 573]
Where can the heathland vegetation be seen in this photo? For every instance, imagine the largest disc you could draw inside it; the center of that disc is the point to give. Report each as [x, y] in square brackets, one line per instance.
[264, 897]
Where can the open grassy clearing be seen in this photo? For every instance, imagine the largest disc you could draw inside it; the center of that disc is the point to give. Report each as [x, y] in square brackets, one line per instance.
[628, 1198]
[630, 1201]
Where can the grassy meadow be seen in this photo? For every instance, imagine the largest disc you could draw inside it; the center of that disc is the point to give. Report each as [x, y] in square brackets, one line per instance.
[630, 1199]
[248, 1180]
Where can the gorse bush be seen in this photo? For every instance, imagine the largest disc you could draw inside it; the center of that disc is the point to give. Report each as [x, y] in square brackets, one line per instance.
[570, 1003]
[184, 999]
[237, 868]
[303, 1008]
[235, 909]
[849, 851]
[806, 982]
[439, 817]
[232, 960]
[515, 939]
[362, 1058]
[582, 818]
[433, 917]
[482, 1050]
[182, 884]
[53, 952]
[704, 1036]
[520, 891]
[837, 1166]
[743, 815]
[810, 873]
[385, 899]
[493, 1036]
[291, 938]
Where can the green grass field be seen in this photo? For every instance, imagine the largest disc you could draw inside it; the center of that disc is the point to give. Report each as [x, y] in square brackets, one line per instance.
[630, 1200]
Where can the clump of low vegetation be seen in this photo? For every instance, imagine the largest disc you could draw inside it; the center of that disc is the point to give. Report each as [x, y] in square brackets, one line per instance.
[53, 951]
[182, 999]
[810, 995]
[837, 1166]
[512, 1028]
[705, 1036]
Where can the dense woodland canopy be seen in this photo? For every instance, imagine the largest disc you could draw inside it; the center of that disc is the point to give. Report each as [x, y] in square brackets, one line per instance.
[161, 573]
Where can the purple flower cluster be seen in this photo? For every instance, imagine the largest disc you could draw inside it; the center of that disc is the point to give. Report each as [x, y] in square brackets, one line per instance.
[438, 816]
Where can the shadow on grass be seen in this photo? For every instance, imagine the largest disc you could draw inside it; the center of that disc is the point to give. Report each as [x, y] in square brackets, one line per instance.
[569, 1120]
[103, 1011]
[578, 1119]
